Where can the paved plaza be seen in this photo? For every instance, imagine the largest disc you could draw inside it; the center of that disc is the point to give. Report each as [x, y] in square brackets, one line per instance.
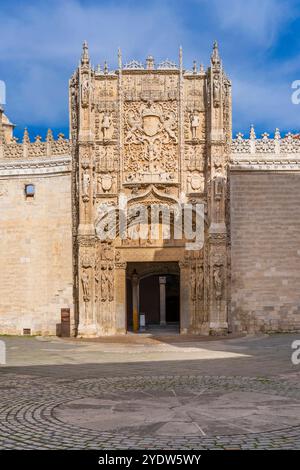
[150, 392]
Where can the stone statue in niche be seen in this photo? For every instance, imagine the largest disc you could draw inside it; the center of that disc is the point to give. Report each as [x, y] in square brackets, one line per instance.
[216, 91]
[86, 179]
[218, 281]
[104, 284]
[73, 92]
[85, 92]
[219, 194]
[106, 123]
[107, 282]
[195, 123]
[85, 280]
[200, 283]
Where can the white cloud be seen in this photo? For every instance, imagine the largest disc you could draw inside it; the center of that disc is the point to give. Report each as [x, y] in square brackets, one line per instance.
[41, 45]
[257, 20]
[273, 97]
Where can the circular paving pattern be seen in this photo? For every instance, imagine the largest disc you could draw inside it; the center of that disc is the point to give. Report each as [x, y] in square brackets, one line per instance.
[149, 412]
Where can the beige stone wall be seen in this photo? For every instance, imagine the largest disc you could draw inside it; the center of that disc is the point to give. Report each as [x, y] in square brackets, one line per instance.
[265, 254]
[35, 254]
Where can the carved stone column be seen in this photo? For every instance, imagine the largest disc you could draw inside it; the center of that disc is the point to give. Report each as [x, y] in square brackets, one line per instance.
[162, 300]
[135, 302]
[185, 306]
[85, 146]
[120, 298]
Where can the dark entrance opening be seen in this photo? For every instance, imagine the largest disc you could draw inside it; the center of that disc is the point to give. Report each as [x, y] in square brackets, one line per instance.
[149, 299]
[151, 292]
[172, 298]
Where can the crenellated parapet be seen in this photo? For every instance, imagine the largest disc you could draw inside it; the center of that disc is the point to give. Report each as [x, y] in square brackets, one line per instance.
[37, 149]
[265, 153]
[38, 157]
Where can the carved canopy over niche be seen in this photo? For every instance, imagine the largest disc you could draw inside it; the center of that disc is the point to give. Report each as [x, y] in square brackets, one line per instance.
[150, 142]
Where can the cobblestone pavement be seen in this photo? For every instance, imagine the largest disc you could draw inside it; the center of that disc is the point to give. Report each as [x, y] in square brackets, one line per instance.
[113, 408]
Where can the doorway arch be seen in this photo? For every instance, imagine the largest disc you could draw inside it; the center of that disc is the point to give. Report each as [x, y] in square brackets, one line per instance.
[158, 294]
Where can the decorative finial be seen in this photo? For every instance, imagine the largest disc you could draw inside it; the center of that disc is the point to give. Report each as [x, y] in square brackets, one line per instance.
[85, 59]
[252, 132]
[215, 58]
[201, 69]
[26, 138]
[98, 68]
[119, 58]
[265, 136]
[277, 135]
[105, 68]
[49, 137]
[194, 66]
[180, 58]
[150, 62]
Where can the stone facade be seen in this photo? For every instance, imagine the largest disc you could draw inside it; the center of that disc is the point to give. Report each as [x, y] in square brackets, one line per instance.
[141, 132]
[265, 233]
[36, 236]
[148, 134]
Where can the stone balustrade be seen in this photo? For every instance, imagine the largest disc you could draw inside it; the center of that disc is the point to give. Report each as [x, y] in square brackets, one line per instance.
[266, 153]
[37, 149]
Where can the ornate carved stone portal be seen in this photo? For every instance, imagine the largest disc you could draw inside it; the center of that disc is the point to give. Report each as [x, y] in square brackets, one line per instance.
[149, 134]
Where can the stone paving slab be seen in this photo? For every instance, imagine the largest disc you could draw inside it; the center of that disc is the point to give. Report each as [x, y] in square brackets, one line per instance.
[238, 393]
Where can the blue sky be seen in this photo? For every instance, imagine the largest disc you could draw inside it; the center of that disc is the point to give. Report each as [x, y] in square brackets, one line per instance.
[259, 42]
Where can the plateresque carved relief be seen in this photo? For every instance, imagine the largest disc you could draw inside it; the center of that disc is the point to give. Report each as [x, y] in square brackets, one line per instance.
[150, 141]
[155, 134]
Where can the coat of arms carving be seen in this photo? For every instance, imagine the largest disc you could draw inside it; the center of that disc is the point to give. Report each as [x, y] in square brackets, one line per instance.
[150, 139]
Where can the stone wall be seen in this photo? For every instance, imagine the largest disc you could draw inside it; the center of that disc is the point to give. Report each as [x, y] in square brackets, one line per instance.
[36, 278]
[265, 252]
[36, 253]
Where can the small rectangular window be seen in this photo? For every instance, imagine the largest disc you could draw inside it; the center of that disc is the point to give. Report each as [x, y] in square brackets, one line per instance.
[29, 190]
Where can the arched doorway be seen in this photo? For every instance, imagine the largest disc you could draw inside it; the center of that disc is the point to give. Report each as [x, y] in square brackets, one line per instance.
[158, 295]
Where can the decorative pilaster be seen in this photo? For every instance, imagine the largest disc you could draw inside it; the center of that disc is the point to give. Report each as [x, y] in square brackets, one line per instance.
[86, 268]
[26, 142]
[219, 129]
[120, 298]
[85, 150]
[120, 117]
[135, 302]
